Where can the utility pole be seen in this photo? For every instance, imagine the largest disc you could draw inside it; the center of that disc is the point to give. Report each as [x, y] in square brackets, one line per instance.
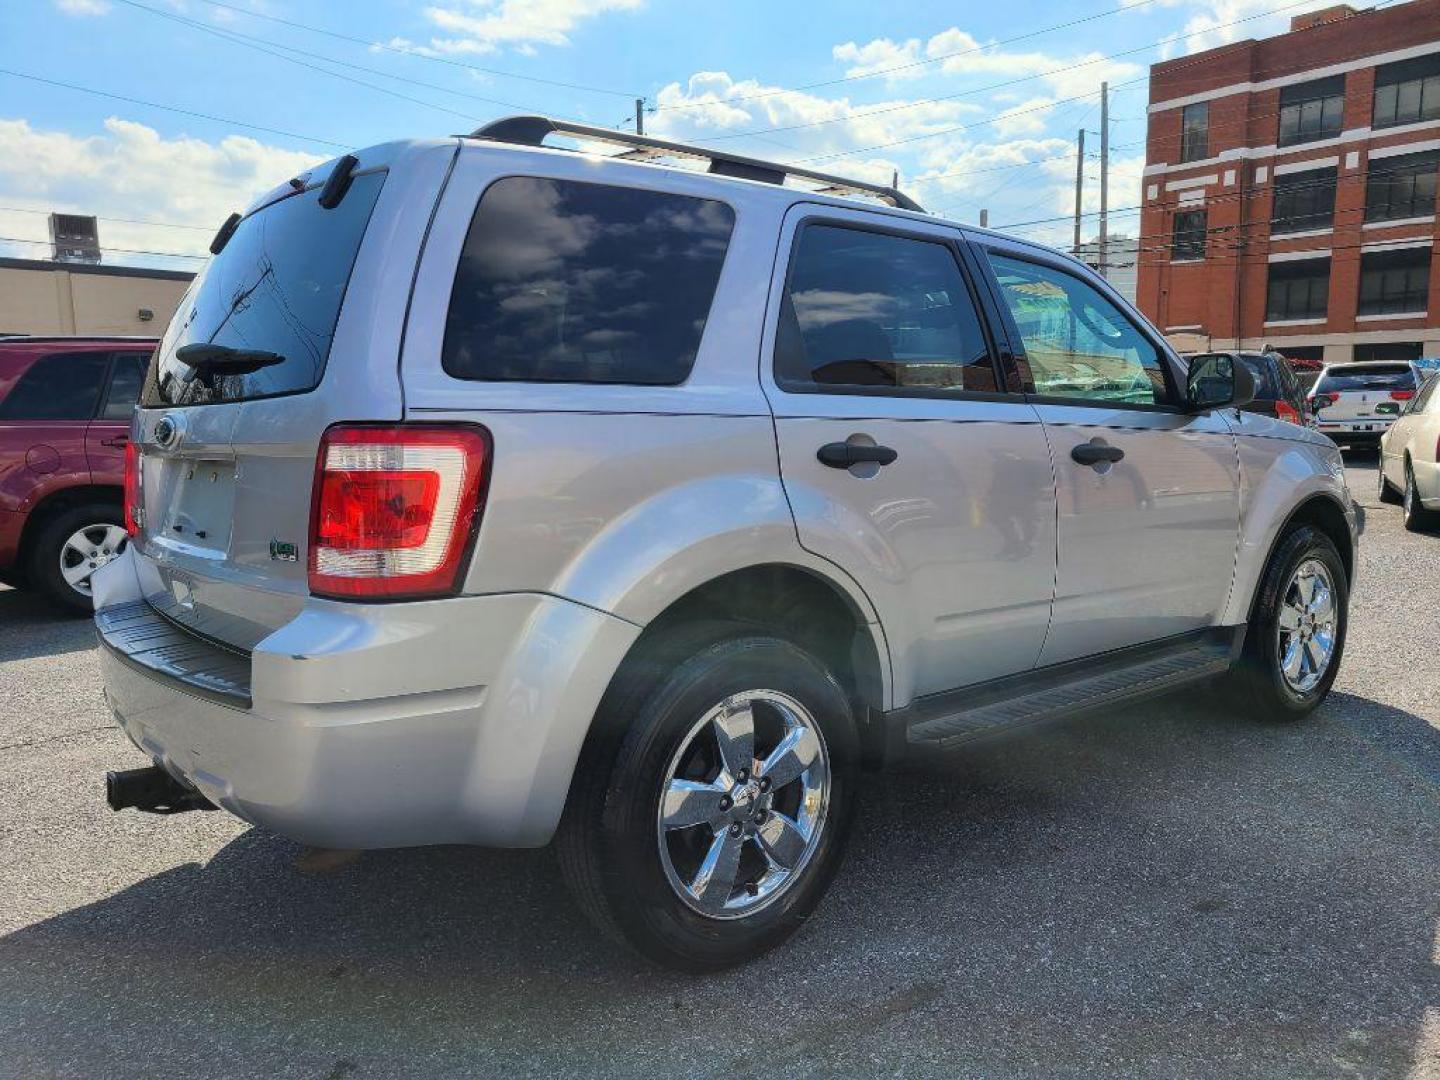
[1104, 239]
[1079, 187]
[984, 219]
[639, 116]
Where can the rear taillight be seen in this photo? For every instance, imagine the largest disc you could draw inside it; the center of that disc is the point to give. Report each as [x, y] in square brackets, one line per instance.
[1320, 400]
[1401, 395]
[395, 509]
[1285, 411]
[134, 510]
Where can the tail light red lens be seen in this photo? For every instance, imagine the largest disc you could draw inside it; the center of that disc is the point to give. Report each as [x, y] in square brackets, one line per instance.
[1285, 411]
[395, 509]
[1401, 395]
[134, 512]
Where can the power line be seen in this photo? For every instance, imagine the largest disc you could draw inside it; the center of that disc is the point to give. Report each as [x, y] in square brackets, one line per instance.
[114, 220]
[913, 64]
[172, 108]
[418, 55]
[1064, 69]
[247, 42]
[116, 250]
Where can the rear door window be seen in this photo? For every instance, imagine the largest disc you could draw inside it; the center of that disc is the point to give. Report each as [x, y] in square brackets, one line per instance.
[1265, 384]
[127, 373]
[275, 287]
[563, 281]
[61, 386]
[866, 309]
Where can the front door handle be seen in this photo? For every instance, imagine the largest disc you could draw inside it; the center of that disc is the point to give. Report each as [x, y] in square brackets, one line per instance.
[841, 455]
[1095, 453]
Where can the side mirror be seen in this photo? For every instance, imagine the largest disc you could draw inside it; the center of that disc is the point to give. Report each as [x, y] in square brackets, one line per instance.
[1217, 381]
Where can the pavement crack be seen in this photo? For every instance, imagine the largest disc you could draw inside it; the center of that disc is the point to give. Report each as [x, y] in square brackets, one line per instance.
[56, 738]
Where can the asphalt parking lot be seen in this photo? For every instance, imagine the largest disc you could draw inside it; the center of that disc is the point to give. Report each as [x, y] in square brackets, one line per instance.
[1166, 891]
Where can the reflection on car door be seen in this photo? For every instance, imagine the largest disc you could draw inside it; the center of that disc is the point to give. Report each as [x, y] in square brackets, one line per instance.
[903, 463]
[1148, 494]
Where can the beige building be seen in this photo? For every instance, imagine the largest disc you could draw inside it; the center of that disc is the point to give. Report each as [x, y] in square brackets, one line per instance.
[42, 297]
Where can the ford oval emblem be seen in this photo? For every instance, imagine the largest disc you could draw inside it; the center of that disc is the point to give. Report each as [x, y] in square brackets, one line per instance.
[166, 433]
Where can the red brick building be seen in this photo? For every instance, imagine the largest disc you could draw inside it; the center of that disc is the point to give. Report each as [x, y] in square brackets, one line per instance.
[1289, 190]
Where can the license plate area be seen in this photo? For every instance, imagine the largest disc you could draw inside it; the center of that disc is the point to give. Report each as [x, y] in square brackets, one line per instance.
[195, 506]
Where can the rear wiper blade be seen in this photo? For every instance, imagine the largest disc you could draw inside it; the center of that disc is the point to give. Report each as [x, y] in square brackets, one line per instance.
[207, 358]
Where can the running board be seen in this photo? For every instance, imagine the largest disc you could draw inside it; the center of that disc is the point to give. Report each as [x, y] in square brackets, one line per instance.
[943, 721]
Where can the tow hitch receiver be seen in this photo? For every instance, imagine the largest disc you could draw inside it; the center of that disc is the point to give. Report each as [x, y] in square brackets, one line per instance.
[153, 790]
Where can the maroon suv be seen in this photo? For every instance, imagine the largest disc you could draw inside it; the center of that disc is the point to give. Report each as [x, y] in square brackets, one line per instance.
[65, 408]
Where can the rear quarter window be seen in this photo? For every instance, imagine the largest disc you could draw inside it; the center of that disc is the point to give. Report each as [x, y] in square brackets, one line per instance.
[563, 281]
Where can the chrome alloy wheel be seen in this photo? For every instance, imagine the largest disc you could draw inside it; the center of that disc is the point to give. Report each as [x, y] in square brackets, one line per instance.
[1306, 627]
[737, 826]
[87, 550]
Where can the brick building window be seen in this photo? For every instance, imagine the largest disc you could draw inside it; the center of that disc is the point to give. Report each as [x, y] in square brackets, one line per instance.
[1195, 132]
[1407, 92]
[1312, 110]
[1401, 187]
[1298, 290]
[1303, 200]
[1395, 282]
[1188, 239]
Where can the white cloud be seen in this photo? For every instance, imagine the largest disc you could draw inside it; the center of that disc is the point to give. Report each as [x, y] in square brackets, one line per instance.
[82, 7]
[1220, 22]
[485, 26]
[131, 171]
[882, 54]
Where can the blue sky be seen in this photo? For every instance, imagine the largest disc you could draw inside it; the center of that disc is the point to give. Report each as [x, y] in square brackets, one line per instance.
[970, 116]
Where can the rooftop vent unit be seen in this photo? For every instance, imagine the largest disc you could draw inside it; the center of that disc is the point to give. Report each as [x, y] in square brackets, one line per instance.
[74, 238]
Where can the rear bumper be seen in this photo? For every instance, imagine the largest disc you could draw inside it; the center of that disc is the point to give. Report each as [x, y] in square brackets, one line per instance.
[370, 726]
[1355, 430]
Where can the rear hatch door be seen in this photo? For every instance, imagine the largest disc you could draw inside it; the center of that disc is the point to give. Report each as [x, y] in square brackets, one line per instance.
[1363, 392]
[313, 300]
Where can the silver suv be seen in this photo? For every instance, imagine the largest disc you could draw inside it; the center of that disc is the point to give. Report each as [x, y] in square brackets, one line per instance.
[485, 492]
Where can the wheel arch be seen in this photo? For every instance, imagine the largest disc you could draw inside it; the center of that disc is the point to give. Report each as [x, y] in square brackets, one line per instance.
[1320, 510]
[57, 502]
[803, 605]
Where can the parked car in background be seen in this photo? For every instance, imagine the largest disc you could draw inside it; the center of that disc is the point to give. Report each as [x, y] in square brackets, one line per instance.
[1278, 392]
[1410, 458]
[65, 406]
[1356, 403]
[543, 495]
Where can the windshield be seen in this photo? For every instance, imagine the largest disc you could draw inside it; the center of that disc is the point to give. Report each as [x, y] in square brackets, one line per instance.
[277, 287]
[1369, 377]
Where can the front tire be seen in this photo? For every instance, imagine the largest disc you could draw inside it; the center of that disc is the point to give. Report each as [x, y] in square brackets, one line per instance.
[1296, 634]
[1417, 518]
[712, 800]
[1387, 494]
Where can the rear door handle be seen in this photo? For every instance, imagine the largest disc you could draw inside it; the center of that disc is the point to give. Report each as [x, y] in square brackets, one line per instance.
[116, 441]
[841, 455]
[1094, 453]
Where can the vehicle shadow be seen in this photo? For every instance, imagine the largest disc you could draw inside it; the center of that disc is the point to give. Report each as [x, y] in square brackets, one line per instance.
[1168, 890]
[31, 626]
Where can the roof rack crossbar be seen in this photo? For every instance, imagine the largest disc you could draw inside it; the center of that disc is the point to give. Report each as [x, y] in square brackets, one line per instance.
[533, 130]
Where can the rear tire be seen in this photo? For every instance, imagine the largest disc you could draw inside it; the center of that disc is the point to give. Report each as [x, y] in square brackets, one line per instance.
[69, 547]
[633, 845]
[1281, 675]
[1417, 518]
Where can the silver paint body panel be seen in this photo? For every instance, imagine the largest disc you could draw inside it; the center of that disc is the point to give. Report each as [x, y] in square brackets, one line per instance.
[983, 551]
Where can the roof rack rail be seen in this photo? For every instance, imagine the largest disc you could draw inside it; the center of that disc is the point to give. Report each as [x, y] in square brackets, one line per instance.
[532, 130]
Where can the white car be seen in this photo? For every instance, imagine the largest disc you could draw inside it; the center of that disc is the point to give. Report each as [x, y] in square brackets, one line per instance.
[1410, 458]
[1357, 403]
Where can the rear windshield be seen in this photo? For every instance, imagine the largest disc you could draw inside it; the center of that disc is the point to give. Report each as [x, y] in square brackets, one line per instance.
[275, 287]
[1369, 377]
[561, 281]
